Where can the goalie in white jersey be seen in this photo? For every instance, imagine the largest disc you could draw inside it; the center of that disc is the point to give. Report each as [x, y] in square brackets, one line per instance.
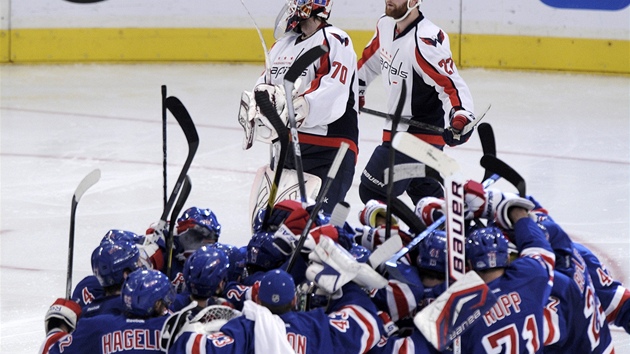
[409, 48]
[325, 97]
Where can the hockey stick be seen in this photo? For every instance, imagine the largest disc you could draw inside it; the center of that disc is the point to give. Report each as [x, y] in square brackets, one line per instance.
[497, 166]
[262, 100]
[330, 177]
[292, 74]
[164, 174]
[407, 121]
[488, 144]
[392, 162]
[183, 196]
[88, 181]
[455, 310]
[262, 41]
[176, 107]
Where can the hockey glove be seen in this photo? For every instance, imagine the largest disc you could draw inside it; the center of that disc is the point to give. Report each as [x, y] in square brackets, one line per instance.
[332, 266]
[374, 214]
[510, 200]
[290, 213]
[461, 127]
[372, 237]
[474, 200]
[430, 209]
[62, 312]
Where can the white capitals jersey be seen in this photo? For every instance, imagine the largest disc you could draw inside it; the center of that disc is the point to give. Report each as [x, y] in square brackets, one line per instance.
[421, 57]
[330, 85]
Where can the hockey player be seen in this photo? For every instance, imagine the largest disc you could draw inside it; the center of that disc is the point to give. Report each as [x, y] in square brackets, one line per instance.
[205, 274]
[89, 289]
[111, 263]
[325, 97]
[522, 287]
[407, 47]
[146, 296]
[269, 324]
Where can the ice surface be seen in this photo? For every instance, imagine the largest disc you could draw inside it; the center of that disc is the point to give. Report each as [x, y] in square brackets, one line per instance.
[567, 134]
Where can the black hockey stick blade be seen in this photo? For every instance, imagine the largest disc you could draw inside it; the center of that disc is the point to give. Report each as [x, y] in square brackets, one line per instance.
[176, 107]
[262, 100]
[88, 181]
[406, 215]
[488, 143]
[497, 166]
[303, 61]
[183, 196]
[407, 121]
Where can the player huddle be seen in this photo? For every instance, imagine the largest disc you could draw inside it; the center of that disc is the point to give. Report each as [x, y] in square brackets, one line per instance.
[308, 281]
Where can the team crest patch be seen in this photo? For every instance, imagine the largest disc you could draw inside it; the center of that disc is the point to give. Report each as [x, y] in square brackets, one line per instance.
[439, 38]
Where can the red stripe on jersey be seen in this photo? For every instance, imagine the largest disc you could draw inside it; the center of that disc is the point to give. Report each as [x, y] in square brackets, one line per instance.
[52, 339]
[369, 50]
[444, 81]
[323, 70]
[625, 297]
[196, 347]
[431, 139]
[367, 324]
[402, 305]
[319, 140]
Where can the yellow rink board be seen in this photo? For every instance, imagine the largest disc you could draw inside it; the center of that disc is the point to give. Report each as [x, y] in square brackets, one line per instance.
[243, 45]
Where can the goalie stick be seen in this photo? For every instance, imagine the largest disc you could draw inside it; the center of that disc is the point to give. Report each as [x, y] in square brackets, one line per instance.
[438, 160]
[330, 177]
[262, 100]
[183, 196]
[292, 74]
[88, 181]
[455, 310]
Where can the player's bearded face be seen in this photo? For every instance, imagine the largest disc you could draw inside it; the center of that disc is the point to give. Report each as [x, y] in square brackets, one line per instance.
[394, 10]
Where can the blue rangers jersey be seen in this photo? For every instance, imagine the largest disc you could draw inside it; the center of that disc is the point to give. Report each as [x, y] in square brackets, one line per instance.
[352, 327]
[572, 320]
[585, 326]
[515, 323]
[420, 56]
[108, 334]
[613, 296]
[87, 290]
[329, 85]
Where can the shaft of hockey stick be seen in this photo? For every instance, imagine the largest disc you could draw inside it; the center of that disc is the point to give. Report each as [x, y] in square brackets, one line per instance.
[262, 100]
[179, 111]
[407, 121]
[330, 177]
[164, 148]
[183, 196]
[497, 166]
[88, 181]
[292, 74]
[392, 160]
[262, 42]
[392, 263]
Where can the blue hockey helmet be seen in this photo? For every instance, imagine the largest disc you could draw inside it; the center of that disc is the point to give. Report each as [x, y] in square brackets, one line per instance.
[115, 235]
[204, 221]
[236, 257]
[142, 289]
[204, 271]
[110, 261]
[432, 252]
[360, 253]
[487, 248]
[262, 253]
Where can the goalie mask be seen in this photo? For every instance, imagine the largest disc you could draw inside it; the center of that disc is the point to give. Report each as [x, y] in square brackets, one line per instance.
[299, 10]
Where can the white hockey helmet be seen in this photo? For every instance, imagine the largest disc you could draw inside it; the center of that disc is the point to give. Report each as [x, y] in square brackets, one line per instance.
[298, 10]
